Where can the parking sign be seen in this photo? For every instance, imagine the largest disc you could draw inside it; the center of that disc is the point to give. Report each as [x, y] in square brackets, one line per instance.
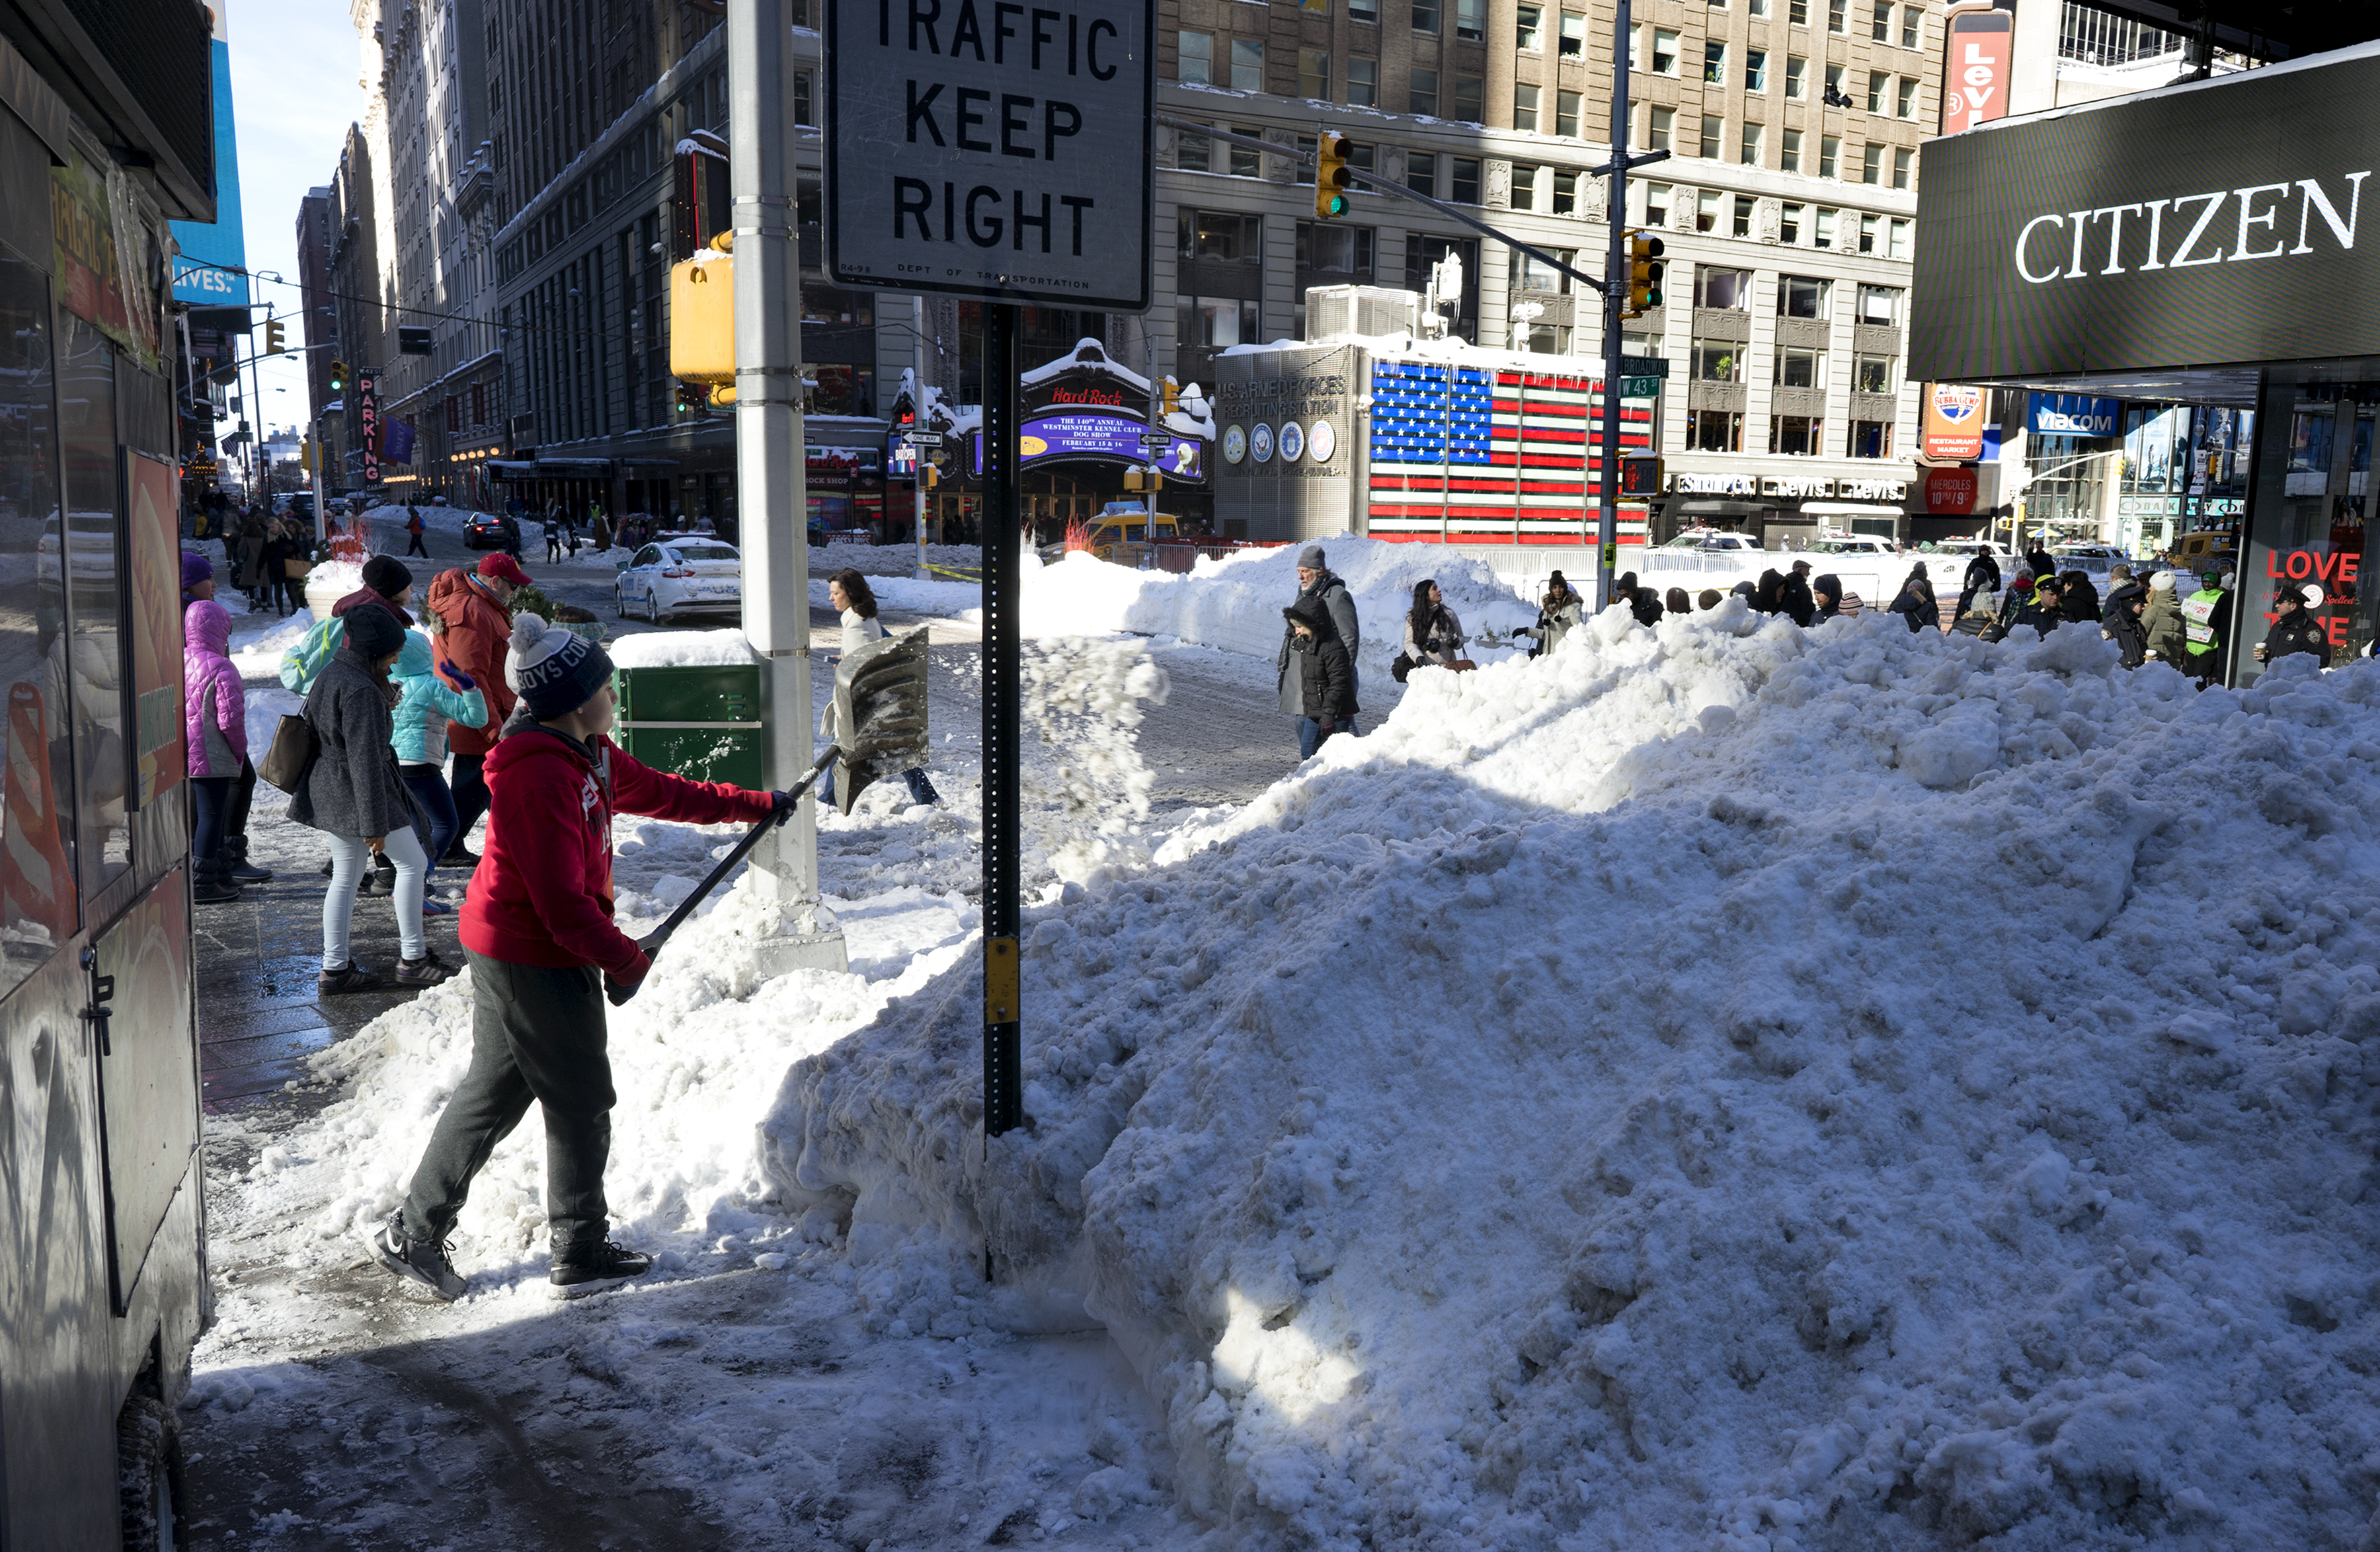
[994, 149]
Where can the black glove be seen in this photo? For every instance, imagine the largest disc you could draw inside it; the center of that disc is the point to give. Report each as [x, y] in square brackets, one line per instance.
[618, 991]
[781, 806]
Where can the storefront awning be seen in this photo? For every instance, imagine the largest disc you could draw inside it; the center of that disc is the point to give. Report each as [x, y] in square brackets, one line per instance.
[573, 469]
[510, 468]
[1849, 509]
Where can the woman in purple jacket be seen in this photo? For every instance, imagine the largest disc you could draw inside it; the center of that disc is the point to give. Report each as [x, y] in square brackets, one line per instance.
[214, 717]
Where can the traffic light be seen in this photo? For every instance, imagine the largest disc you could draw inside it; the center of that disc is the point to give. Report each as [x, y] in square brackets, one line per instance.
[1644, 274]
[690, 397]
[338, 374]
[928, 477]
[273, 332]
[1331, 177]
[1168, 397]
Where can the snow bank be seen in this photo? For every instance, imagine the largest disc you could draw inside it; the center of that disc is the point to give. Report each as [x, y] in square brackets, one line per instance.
[910, 597]
[891, 560]
[1236, 604]
[1724, 1087]
[679, 648]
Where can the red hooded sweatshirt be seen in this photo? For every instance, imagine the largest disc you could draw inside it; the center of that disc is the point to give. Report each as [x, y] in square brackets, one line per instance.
[542, 891]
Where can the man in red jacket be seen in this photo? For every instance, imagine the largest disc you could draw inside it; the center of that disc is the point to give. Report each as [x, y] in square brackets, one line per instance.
[537, 927]
[477, 609]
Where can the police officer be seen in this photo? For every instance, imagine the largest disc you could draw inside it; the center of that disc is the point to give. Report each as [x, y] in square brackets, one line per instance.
[2205, 627]
[2295, 629]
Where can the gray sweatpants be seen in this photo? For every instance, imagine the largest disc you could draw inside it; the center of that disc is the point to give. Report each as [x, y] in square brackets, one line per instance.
[536, 1034]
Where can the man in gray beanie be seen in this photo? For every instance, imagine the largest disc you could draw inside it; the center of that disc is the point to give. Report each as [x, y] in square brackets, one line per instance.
[537, 927]
[1315, 580]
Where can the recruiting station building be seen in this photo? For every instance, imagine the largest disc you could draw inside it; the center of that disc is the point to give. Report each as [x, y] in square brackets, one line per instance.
[2202, 244]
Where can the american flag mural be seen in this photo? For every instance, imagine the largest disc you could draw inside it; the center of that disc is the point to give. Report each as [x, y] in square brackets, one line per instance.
[1497, 455]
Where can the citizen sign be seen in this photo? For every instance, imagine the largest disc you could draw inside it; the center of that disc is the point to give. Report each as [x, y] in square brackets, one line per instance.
[2221, 226]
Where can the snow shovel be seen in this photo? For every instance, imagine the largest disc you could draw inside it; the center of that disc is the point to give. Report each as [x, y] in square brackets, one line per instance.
[880, 701]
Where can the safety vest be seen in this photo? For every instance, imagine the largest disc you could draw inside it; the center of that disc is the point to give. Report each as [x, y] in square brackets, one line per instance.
[2198, 617]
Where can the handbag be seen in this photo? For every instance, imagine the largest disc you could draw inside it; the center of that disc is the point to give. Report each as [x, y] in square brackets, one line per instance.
[294, 568]
[295, 745]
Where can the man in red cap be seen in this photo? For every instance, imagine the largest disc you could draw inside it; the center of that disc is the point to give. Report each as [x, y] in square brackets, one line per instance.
[477, 608]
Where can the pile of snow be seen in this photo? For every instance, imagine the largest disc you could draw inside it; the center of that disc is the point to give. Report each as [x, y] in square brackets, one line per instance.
[891, 560]
[680, 648]
[1722, 1086]
[1236, 604]
[906, 596]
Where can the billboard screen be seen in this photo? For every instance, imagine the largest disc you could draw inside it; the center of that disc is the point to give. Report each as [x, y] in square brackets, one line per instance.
[212, 250]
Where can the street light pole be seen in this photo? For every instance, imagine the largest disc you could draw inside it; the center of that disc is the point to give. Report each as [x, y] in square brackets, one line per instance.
[770, 473]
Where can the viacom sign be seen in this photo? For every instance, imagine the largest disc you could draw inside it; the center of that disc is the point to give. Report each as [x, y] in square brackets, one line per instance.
[2216, 223]
[2074, 414]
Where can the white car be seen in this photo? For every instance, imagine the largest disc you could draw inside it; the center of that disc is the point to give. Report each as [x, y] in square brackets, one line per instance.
[680, 576]
[1712, 542]
[1858, 544]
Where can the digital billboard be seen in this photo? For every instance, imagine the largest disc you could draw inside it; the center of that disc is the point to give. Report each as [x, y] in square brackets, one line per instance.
[205, 274]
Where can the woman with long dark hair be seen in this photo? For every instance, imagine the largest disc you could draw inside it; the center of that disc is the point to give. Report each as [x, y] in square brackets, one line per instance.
[1433, 633]
[848, 592]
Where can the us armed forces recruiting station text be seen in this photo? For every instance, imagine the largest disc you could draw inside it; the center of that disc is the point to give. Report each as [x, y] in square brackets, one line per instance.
[1051, 45]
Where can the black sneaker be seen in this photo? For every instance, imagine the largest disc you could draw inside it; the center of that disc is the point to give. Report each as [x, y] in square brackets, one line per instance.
[421, 1261]
[595, 1261]
[353, 977]
[427, 971]
[456, 857]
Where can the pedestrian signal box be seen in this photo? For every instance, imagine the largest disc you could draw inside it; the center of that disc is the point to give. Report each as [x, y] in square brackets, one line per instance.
[702, 319]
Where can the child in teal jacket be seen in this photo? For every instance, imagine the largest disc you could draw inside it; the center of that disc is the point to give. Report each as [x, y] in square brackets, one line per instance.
[427, 702]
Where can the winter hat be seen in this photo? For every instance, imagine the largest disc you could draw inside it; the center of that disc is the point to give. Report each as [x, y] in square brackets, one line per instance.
[2023, 582]
[196, 568]
[555, 672]
[1310, 558]
[503, 568]
[1310, 612]
[386, 575]
[2162, 582]
[373, 633]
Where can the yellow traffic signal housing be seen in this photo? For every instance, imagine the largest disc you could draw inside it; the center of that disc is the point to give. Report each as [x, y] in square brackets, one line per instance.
[338, 374]
[702, 319]
[1644, 268]
[272, 337]
[930, 477]
[1169, 396]
[1331, 177]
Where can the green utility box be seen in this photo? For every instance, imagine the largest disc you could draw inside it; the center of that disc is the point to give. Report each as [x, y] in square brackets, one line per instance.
[702, 722]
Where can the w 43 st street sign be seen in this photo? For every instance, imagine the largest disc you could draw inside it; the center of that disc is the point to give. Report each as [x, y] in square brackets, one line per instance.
[992, 148]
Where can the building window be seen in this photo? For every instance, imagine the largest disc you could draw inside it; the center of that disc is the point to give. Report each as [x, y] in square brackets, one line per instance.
[1880, 304]
[1665, 52]
[1904, 100]
[1528, 29]
[1899, 249]
[1424, 17]
[1712, 128]
[1524, 187]
[1706, 210]
[1830, 152]
[1835, 96]
[1659, 124]
[1913, 24]
[1313, 75]
[1730, 290]
[1566, 113]
[1756, 8]
[1363, 82]
[1470, 94]
[1800, 366]
[1715, 64]
[1742, 224]
[1753, 134]
[1715, 431]
[1471, 19]
[1882, 31]
[1219, 237]
[1244, 161]
[1872, 163]
[1335, 249]
[1835, 10]
[804, 99]
[1573, 35]
[1463, 188]
[1216, 322]
[1363, 156]
[1797, 71]
[1801, 296]
[1421, 171]
[1525, 106]
[1867, 233]
[1796, 435]
[1193, 151]
[1878, 83]
[1365, 11]
[1789, 151]
[1871, 374]
[1421, 91]
[1826, 230]
[1196, 59]
[1869, 439]
[1538, 275]
[1797, 12]
[1789, 222]
[1315, 8]
[1247, 65]
[1657, 204]
[1903, 165]
[1755, 69]
[1565, 192]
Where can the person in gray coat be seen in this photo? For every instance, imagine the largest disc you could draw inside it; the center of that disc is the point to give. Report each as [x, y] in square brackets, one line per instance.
[1315, 580]
[353, 791]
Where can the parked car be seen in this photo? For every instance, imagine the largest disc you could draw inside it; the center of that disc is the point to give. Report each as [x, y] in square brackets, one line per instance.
[1856, 544]
[1712, 541]
[484, 530]
[680, 576]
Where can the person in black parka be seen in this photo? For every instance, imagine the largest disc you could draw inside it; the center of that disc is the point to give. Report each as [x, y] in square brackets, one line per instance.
[1326, 675]
[2122, 622]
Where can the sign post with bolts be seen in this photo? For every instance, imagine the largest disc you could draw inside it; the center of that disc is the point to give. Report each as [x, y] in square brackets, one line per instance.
[1018, 175]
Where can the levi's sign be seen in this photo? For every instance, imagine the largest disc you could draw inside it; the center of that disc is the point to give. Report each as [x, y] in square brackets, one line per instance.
[2218, 223]
[997, 149]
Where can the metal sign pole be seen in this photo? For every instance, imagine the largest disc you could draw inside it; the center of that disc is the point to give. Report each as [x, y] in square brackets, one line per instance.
[1002, 1075]
[1615, 298]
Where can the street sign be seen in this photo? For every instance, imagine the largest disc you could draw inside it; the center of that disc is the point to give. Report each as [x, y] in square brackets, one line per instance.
[924, 438]
[998, 152]
[1640, 387]
[1156, 439]
[1644, 366]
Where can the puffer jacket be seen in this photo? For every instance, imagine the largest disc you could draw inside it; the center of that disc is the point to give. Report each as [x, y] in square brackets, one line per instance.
[1332, 590]
[214, 702]
[303, 664]
[425, 704]
[1556, 619]
[2123, 627]
[479, 632]
[353, 787]
[2161, 623]
[1324, 670]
